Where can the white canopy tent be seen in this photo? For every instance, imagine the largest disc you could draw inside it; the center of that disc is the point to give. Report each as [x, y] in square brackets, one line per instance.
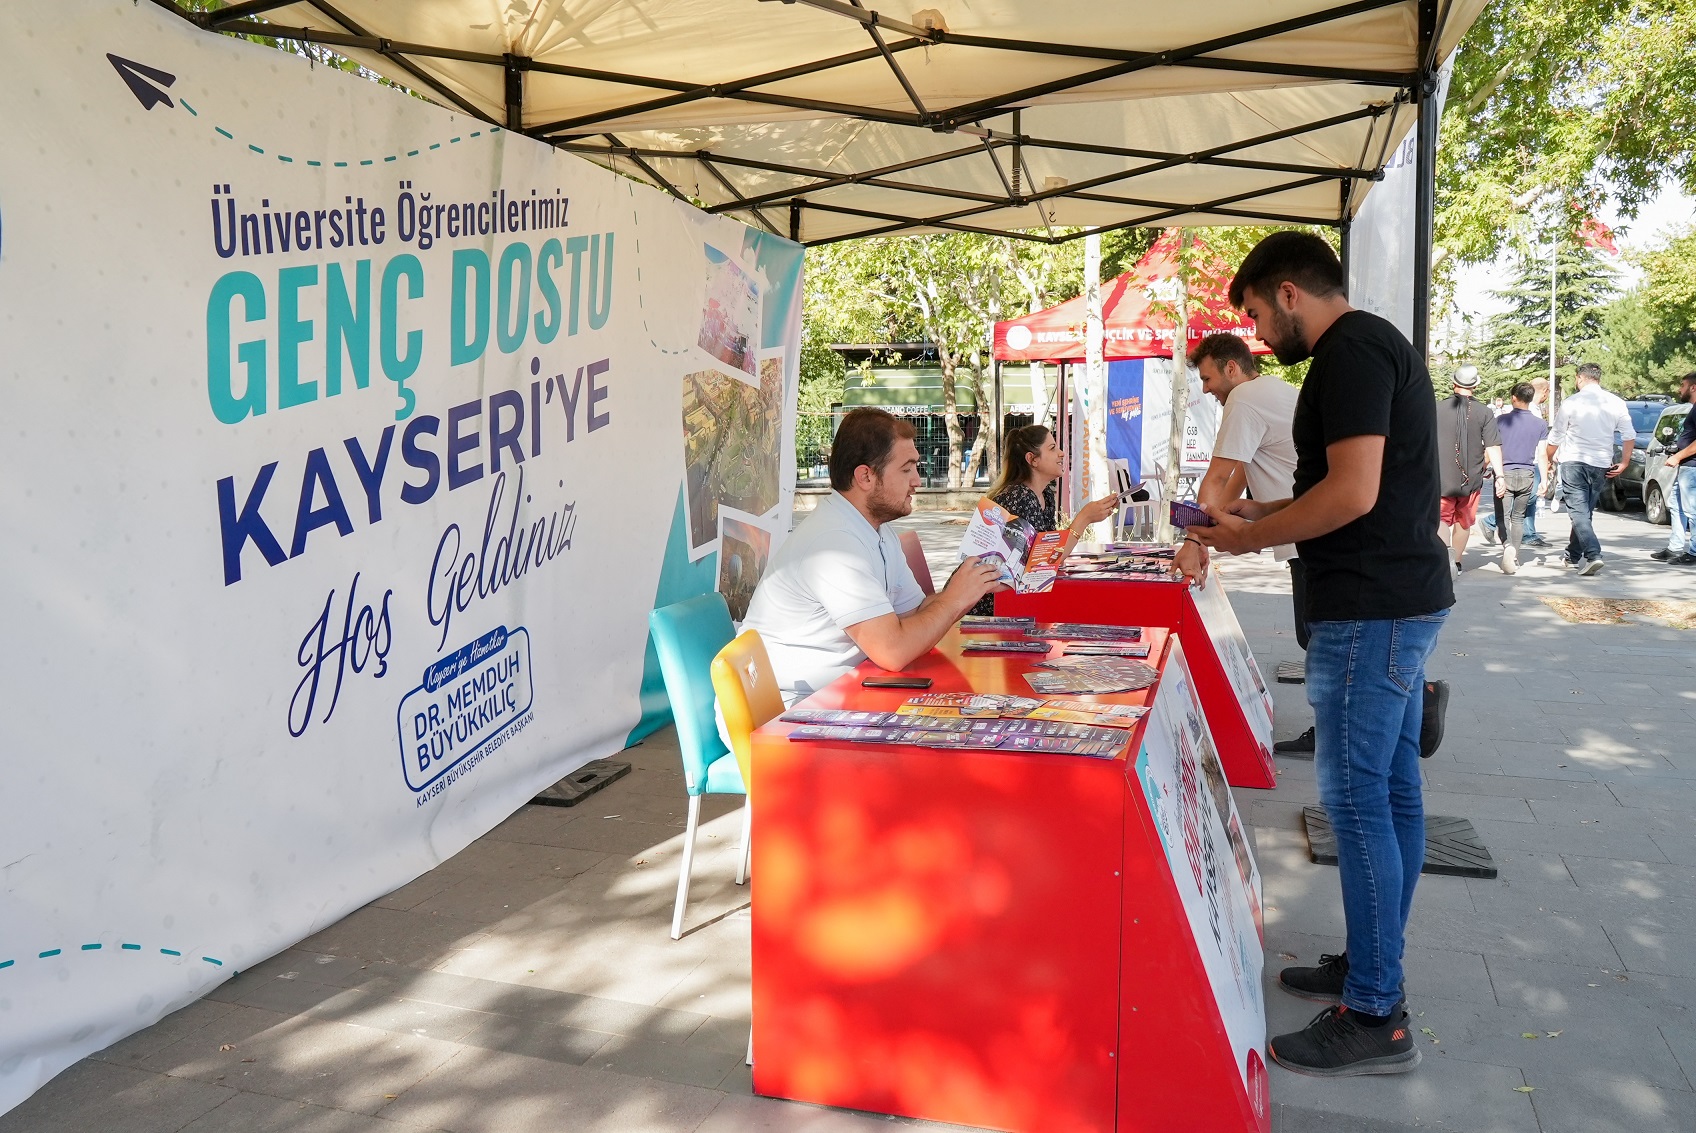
[826, 119]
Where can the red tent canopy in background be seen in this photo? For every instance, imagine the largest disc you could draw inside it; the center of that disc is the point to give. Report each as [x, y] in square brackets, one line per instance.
[1138, 309]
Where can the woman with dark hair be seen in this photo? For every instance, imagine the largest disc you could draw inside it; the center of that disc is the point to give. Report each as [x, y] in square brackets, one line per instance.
[1027, 487]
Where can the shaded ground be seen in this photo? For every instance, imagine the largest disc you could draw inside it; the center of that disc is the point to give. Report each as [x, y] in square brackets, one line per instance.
[530, 982]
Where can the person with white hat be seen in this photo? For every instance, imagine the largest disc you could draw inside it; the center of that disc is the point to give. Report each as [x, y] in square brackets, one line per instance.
[1467, 439]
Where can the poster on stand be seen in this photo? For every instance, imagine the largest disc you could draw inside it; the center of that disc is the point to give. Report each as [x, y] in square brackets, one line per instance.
[1230, 644]
[349, 447]
[1211, 861]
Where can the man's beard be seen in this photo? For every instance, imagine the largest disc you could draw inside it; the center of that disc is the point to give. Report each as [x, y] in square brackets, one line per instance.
[886, 506]
[1288, 339]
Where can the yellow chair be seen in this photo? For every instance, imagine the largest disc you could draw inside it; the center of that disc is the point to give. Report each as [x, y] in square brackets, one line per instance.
[747, 697]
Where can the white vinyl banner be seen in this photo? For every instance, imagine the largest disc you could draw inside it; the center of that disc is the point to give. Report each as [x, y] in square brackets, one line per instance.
[1201, 419]
[1211, 862]
[348, 445]
[1381, 260]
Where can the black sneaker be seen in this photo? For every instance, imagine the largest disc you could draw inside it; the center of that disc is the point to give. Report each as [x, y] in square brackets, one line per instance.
[1683, 558]
[1335, 1046]
[1663, 555]
[1324, 983]
[1302, 743]
[1436, 715]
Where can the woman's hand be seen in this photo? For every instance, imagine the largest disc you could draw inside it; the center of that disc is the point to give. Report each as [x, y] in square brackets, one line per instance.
[1095, 512]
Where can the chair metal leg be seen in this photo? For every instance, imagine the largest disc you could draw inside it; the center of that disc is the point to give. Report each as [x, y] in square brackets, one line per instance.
[688, 864]
[743, 857]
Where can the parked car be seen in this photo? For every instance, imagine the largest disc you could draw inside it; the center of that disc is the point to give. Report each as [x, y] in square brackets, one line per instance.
[1626, 489]
[1657, 484]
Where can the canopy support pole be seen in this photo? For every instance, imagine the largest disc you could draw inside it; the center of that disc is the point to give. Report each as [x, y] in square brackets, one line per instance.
[514, 93]
[1000, 417]
[1425, 183]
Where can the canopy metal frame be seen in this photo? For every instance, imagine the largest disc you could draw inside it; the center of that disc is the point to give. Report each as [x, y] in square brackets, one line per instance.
[990, 128]
[589, 134]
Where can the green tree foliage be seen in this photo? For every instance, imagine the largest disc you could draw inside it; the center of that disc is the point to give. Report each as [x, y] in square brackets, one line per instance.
[1516, 342]
[1650, 334]
[1579, 97]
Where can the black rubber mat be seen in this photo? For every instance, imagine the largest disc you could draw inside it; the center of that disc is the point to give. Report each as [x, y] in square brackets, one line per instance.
[1452, 847]
[1291, 672]
[582, 783]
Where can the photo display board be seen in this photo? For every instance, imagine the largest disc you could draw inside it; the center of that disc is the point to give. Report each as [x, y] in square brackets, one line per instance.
[1211, 861]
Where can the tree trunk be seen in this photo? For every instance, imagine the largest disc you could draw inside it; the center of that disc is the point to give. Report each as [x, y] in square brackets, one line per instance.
[985, 440]
[951, 416]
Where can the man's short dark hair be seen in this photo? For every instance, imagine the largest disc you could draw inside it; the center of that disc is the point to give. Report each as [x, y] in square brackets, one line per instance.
[866, 436]
[1524, 392]
[1688, 379]
[1590, 370]
[1223, 348]
[1300, 258]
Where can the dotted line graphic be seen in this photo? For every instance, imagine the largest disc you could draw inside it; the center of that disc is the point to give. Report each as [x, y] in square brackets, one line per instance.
[97, 946]
[492, 130]
[641, 297]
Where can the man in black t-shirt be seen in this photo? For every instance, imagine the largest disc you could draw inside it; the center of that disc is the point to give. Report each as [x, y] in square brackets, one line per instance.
[1364, 521]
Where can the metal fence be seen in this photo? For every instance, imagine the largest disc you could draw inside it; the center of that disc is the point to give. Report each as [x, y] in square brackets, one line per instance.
[813, 432]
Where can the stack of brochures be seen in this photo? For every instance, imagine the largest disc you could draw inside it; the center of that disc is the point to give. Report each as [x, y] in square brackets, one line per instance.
[1141, 562]
[977, 720]
[1086, 631]
[1017, 645]
[984, 623]
[1091, 675]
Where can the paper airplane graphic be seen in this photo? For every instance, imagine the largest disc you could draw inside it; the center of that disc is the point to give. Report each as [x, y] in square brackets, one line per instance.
[136, 75]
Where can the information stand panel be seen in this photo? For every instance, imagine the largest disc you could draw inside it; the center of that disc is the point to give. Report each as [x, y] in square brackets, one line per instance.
[1026, 942]
[1191, 1001]
[1239, 705]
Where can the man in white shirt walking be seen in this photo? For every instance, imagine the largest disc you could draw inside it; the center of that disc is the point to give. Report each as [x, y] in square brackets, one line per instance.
[839, 590]
[1582, 442]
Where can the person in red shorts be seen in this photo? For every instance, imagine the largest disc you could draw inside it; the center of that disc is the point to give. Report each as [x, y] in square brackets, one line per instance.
[1467, 443]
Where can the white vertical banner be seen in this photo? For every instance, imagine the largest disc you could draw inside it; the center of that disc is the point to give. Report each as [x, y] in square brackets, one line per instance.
[347, 445]
[1381, 244]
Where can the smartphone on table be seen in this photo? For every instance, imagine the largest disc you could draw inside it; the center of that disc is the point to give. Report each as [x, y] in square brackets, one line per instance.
[895, 682]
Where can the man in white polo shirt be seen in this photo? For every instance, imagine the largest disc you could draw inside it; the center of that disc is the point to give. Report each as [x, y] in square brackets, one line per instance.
[839, 590]
[1253, 449]
[1582, 441]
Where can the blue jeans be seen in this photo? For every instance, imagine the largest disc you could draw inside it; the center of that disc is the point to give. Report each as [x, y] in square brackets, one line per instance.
[1581, 486]
[1366, 683]
[1681, 509]
[1528, 532]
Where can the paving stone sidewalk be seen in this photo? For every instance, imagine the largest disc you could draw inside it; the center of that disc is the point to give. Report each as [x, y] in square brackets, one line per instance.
[529, 983]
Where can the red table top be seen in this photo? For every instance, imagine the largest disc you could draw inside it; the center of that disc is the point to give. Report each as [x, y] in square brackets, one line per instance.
[953, 670]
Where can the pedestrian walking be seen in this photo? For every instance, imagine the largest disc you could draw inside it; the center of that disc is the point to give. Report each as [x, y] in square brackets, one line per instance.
[1522, 434]
[1582, 443]
[1681, 507]
[1363, 518]
[1468, 446]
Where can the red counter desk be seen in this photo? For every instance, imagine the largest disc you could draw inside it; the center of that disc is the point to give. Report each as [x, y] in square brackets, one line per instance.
[1238, 701]
[1026, 942]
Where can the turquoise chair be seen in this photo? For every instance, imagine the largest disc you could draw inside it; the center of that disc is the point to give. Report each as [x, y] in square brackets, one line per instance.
[687, 636]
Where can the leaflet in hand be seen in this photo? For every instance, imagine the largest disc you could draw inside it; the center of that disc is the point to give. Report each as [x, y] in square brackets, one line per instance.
[1026, 560]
